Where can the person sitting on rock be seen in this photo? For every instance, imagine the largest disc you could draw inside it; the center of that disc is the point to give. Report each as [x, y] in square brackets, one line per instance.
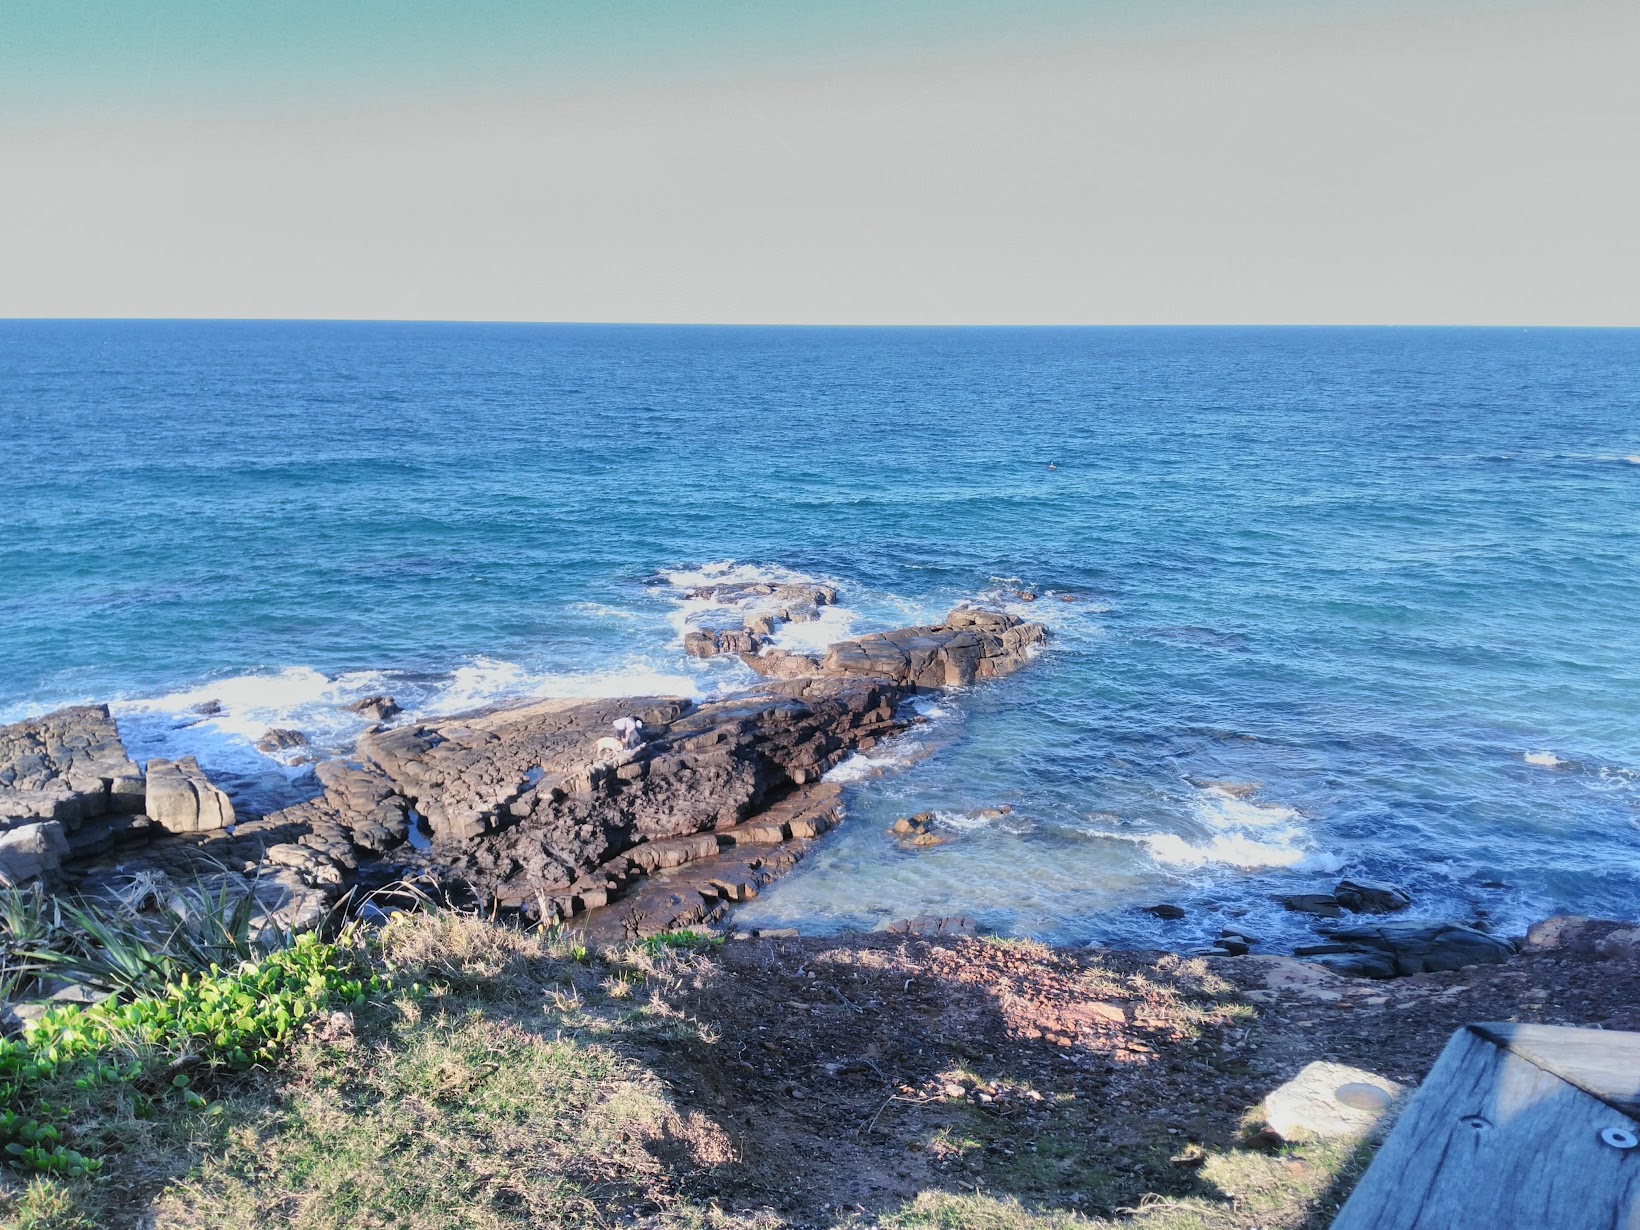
[627, 728]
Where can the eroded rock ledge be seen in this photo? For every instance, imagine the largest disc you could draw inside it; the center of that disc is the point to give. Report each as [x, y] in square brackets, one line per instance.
[681, 811]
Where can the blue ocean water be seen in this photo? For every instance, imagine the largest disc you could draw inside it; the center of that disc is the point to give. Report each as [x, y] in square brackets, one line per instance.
[1344, 600]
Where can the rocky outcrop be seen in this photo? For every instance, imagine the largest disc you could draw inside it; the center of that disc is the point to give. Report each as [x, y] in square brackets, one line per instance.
[60, 774]
[181, 798]
[1356, 896]
[796, 601]
[32, 851]
[66, 766]
[670, 809]
[525, 807]
[1398, 949]
[968, 645]
[764, 608]
[1581, 936]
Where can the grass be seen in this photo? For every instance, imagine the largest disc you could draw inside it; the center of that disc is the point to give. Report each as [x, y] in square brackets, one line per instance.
[489, 1079]
[474, 1088]
[1289, 1188]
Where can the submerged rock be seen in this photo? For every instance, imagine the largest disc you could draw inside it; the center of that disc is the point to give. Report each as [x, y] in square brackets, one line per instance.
[376, 708]
[276, 739]
[1322, 905]
[930, 925]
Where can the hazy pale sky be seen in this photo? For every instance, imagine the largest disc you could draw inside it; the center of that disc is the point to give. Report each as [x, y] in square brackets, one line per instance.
[870, 161]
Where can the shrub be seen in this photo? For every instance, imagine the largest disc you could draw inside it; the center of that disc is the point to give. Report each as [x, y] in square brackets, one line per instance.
[216, 1019]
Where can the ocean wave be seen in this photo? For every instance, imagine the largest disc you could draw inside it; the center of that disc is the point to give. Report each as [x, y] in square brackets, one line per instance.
[834, 623]
[602, 610]
[1232, 830]
[860, 767]
[731, 572]
[981, 818]
[220, 721]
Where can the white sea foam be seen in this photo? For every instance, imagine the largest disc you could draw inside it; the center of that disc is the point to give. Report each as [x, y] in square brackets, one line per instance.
[890, 756]
[691, 612]
[487, 681]
[1547, 760]
[860, 767]
[1238, 833]
[729, 572]
[301, 698]
[247, 706]
[835, 623]
[970, 821]
[602, 610]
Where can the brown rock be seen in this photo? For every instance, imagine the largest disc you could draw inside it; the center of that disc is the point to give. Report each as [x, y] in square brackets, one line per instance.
[67, 766]
[181, 798]
[968, 645]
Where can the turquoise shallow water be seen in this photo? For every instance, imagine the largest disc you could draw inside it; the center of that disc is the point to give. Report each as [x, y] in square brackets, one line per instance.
[1389, 577]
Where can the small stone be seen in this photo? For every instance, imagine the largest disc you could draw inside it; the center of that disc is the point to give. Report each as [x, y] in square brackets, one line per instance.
[1166, 910]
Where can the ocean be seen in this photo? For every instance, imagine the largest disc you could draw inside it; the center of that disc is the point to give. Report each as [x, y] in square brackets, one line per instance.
[1324, 602]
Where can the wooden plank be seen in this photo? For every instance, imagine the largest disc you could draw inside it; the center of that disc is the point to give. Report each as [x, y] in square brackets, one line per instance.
[1492, 1141]
[1604, 1063]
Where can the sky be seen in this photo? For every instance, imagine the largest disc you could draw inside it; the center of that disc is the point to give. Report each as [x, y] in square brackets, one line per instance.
[851, 162]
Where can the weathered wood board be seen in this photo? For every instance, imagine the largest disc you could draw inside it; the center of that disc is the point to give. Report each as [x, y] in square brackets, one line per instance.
[1506, 1134]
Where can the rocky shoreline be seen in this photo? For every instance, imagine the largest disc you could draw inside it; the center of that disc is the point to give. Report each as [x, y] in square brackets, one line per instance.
[629, 816]
[622, 818]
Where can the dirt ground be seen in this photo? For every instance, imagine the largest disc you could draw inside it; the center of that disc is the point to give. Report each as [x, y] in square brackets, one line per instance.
[856, 1072]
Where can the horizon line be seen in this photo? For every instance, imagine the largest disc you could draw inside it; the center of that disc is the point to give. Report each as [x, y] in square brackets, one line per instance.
[775, 324]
